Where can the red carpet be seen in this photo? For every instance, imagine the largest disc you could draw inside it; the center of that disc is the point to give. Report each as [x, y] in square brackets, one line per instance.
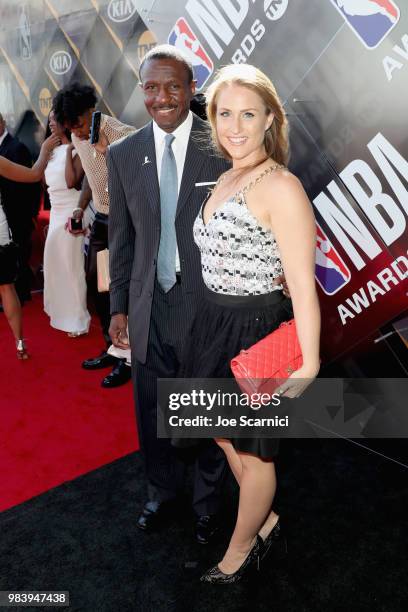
[57, 422]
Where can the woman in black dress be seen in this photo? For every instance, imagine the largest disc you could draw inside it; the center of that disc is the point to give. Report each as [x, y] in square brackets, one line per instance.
[256, 223]
[8, 257]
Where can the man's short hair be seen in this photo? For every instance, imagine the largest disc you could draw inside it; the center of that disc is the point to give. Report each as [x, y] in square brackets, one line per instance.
[168, 52]
[73, 101]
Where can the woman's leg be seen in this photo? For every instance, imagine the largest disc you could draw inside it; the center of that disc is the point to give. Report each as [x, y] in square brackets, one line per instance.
[235, 463]
[234, 460]
[12, 309]
[257, 490]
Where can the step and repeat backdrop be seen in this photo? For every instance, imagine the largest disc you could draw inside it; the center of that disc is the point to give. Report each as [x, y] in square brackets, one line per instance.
[341, 68]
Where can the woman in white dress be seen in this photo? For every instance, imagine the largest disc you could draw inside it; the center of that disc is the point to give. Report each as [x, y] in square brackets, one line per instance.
[9, 298]
[64, 274]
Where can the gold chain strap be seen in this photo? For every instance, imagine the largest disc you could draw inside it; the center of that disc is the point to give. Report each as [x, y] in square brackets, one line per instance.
[252, 184]
[259, 178]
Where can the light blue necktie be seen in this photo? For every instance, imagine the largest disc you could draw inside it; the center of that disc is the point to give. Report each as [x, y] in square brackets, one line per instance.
[166, 260]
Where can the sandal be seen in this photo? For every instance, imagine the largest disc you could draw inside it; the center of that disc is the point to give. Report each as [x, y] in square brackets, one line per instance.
[21, 349]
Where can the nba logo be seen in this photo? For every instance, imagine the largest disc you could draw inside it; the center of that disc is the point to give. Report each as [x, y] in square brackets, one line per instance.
[370, 20]
[183, 37]
[331, 272]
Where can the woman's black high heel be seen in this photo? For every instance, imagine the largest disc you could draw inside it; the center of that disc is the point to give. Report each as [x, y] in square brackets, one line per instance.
[275, 535]
[216, 576]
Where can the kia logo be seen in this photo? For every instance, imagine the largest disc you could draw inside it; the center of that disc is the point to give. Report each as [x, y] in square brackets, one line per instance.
[60, 62]
[121, 10]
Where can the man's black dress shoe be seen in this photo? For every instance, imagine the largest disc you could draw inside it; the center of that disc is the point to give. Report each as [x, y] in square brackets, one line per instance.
[149, 516]
[155, 513]
[97, 363]
[120, 375]
[206, 526]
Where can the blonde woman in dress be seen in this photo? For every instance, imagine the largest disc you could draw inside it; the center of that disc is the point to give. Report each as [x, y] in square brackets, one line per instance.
[256, 224]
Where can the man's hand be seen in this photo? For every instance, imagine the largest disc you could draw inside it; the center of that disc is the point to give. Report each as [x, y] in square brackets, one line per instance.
[118, 331]
[281, 280]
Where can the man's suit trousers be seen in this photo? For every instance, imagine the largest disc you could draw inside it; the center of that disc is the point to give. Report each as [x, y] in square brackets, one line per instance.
[98, 241]
[172, 316]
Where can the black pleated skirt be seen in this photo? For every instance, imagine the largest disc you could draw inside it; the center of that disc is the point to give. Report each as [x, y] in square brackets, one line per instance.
[224, 325]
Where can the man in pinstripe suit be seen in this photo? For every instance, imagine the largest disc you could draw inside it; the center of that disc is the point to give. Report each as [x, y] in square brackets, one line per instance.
[159, 320]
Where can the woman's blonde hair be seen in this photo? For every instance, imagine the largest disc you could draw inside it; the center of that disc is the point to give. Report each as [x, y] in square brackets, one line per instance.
[276, 137]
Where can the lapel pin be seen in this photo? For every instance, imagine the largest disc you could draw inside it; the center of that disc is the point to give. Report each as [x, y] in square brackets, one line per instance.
[146, 161]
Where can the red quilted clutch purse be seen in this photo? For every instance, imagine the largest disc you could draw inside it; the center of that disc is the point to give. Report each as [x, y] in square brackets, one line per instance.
[260, 368]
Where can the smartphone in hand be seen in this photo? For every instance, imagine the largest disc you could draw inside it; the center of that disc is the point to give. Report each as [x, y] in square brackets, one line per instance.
[75, 225]
[95, 127]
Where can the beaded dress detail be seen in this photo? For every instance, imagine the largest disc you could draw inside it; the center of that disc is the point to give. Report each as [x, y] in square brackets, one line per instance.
[238, 256]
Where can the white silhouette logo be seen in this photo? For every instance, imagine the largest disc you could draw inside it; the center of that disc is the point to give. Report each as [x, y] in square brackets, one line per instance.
[25, 35]
[188, 46]
[323, 247]
[364, 7]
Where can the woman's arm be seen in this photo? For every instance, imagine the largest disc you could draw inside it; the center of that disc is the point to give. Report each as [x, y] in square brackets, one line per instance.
[73, 169]
[293, 225]
[84, 199]
[21, 174]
